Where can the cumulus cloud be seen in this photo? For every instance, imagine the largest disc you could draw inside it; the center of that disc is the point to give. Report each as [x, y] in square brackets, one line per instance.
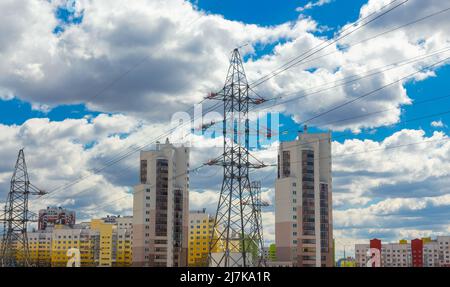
[153, 58]
[159, 57]
[392, 193]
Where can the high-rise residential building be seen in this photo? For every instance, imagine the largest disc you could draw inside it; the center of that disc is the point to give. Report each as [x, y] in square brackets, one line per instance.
[161, 208]
[55, 215]
[418, 253]
[303, 202]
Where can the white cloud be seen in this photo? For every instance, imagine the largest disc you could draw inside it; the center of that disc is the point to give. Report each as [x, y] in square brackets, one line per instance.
[392, 193]
[378, 192]
[56, 154]
[172, 55]
[437, 124]
[311, 5]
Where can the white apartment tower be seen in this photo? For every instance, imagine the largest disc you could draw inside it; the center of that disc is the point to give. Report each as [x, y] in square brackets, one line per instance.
[161, 208]
[303, 202]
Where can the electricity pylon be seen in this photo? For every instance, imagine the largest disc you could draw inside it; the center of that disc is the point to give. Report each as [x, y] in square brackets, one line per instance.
[237, 225]
[257, 206]
[14, 248]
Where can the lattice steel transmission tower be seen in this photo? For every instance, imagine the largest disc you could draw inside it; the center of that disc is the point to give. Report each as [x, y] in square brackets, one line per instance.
[257, 206]
[14, 248]
[236, 223]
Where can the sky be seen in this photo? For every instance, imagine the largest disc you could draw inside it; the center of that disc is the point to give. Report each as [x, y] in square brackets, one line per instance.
[83, 82]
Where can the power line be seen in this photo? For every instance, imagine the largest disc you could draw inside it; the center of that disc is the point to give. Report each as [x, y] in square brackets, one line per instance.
[306, 55]
[354, 78]
[333, 138]
[142, 147]
[378, 149]
[333, 156]
[374, 91]
[367, 18]
[114, 161]
[346, 135]
[347, 46]
[173, 178]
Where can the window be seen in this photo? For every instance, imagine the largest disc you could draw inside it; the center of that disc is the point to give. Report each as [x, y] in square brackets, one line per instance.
[286, 163]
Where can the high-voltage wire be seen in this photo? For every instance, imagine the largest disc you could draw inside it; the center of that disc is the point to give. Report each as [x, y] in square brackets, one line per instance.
[378, 149]
[374, 91]
[328, 43]
[352, 79]
[112, 162]
[305, 144]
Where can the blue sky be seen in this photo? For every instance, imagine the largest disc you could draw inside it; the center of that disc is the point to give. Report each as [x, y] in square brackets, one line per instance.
[78, 55]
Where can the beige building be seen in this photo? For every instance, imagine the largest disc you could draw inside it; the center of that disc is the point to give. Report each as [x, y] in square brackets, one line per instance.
[161, 208]
[303, 202]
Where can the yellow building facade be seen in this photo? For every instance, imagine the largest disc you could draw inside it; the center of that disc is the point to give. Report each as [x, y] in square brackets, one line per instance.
[201, 227]
[39, 244]
[84, 239]
[102, 242]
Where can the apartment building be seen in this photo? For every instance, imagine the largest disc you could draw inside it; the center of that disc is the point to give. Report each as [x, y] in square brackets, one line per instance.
[80, 237]
[124, 240]
[39, 244]
[423, 252]
[161, 208]
[200, 231]
[51, 216]
[303, 202]
[104, 242]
